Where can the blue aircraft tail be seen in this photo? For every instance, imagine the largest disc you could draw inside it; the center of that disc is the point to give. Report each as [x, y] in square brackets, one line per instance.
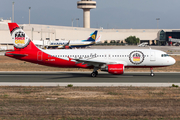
[92, 37]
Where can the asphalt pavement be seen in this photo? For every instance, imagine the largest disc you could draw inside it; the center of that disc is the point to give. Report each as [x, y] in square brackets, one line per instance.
[84, 79]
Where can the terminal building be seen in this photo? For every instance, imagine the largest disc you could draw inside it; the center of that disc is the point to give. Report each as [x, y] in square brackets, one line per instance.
[50, 32]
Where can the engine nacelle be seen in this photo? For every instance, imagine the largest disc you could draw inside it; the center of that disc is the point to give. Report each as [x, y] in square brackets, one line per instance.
[117, 69]
[66, 47]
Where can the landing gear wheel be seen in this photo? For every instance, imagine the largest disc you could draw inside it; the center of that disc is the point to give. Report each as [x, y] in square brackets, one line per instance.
[93, 74]
[96, 72]
[152, 74]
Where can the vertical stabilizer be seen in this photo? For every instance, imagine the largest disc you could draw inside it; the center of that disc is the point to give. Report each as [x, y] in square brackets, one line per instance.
[92, 37]
[20, 39]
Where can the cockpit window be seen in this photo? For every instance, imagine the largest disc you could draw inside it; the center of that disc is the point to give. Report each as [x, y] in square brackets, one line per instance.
[164, 55]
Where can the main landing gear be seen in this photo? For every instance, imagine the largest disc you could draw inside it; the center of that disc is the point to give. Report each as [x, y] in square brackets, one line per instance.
[152, 74]
[95, 72]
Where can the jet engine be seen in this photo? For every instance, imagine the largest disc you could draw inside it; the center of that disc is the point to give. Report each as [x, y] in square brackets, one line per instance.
[66, 47]
[117, 69]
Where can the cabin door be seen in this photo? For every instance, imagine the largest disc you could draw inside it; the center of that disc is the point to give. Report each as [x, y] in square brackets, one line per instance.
[39, 55]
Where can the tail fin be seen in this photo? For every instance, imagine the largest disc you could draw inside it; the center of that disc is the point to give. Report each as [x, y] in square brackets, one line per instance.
[170, 38]
[98, 40]
[20, 39]
[92, 37]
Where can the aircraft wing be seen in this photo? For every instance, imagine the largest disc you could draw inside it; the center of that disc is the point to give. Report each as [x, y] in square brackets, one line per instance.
[89, 61]
[95, 62]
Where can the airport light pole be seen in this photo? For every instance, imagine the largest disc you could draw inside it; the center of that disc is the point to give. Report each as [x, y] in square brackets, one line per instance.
[157, 22]
[29, 14]
[12, 11]
[72, 22]
[77, 21]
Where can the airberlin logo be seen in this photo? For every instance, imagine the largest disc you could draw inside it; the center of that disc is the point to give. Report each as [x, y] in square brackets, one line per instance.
[136, 57]
[19, 38]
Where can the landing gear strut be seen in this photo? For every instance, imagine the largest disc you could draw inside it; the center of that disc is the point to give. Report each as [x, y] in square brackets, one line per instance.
[95, 72]
[152, 74]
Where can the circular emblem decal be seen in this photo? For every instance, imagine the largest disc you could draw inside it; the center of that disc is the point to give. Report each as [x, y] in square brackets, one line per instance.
[136, 57]
[19, 38]
[93, 37]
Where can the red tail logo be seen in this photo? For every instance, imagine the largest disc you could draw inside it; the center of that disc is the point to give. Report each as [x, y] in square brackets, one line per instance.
[20, 39]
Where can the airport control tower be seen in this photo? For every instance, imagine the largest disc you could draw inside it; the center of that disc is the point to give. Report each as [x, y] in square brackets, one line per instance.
[86, 5]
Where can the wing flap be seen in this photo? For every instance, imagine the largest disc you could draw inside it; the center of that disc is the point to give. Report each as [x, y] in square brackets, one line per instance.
[93, 62]
[89, 61]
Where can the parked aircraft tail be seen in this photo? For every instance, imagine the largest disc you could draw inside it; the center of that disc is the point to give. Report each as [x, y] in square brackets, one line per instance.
[174, 39]
[92, 37]
[98, 40]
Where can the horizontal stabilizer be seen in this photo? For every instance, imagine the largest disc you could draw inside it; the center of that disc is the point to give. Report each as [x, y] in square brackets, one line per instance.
[16, 54]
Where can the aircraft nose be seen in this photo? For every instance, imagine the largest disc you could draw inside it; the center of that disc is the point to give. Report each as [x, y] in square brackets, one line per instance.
[172, 61]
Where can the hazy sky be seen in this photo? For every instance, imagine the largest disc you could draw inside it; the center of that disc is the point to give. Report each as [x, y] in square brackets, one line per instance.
[123, 14]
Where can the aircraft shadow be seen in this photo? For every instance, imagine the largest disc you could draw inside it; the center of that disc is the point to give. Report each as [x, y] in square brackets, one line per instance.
[87, 75]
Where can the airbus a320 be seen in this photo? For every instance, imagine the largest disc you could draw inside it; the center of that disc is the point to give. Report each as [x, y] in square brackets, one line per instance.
[113, 61]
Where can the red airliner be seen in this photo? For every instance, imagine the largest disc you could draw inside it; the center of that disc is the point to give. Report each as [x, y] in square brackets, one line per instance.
[113, 61]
